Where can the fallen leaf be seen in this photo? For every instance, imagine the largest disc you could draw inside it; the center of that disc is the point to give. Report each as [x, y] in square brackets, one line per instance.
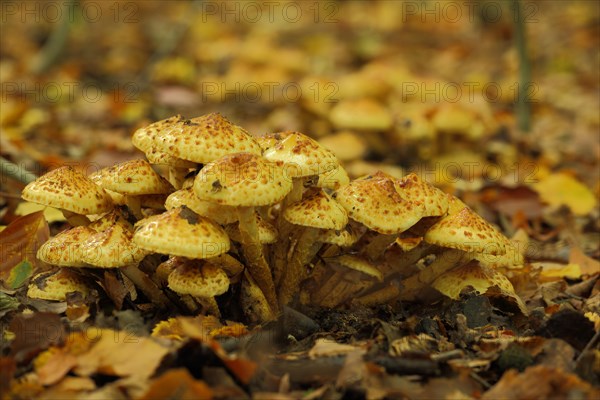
[19, 243]
[33, 333]
[121, 353]
[179, 384]
[554, 271]
[540, 382]
[330, 348]
[562, 189]
[587, 265]
[51, 214]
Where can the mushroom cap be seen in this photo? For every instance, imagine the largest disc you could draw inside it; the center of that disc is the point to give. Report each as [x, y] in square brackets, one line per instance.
[344, 238]
[242, 179]
[317, 210]
[112, 248]
[374, 202]
[430, 199]
[346, 145]
[468, 232]
[267, 233]
[70, 190]
[56, 285]
[222, 214]
[198, 278]
[204, 139]
[66, 248]
[363, 114]
[134, 177]
[181, 232]
[302, 156]
[358, 264]
[146, 139]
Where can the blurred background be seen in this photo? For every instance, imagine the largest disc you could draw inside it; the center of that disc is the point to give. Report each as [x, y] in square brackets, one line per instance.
[473, 95]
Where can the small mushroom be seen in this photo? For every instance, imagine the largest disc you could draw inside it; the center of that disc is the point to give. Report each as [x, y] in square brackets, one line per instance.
[70, 191]
[133, 179]
[317, 211]
[361, 114]
[466, 236]
[56, 285]
[200, 279]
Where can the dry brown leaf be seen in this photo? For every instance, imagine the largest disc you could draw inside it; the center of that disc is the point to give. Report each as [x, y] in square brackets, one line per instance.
[588, 265]
[329, 348]
[121, 353]
[562, 189]
[550, 383]
[177, 383]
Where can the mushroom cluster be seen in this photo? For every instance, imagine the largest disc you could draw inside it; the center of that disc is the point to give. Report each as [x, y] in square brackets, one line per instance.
[275, 214]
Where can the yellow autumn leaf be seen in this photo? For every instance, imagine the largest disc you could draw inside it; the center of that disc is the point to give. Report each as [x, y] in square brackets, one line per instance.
[51, 214]
[563, 189]
[557, 270]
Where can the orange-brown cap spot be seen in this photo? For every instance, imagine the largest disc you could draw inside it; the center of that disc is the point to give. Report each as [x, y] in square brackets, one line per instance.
[431, 200]
[70, 190]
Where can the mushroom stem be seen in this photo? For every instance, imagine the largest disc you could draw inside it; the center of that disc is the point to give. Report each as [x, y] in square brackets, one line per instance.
[142, 281]
[306, 248]
[252, 249]
[380, 296]
[209, 304]
[445, 261]
[134, 203]
[377, 246]
[75, 219]
[280, 251]
[177, 176]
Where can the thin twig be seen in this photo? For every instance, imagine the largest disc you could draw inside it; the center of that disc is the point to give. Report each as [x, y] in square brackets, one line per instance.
[16, 172]
[53, 48]
[588, 346]
[523, 106]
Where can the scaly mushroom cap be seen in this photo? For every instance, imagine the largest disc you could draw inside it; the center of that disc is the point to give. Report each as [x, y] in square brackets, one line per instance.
[317, 210]
[364, 114]
[374, 202]
[146, 139]
[65, 249]
[333, 179]
[431, 200]
[204, 139]
[468, 232]
[133, 177]
[185, 197]
[357, 264]
[112, 248]
[181, 232]
[201, 279]
[70, 190]
[267, 233]
[270, 140]
[343, 238]
[242, 179]
[56, 285]
[302, 156]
